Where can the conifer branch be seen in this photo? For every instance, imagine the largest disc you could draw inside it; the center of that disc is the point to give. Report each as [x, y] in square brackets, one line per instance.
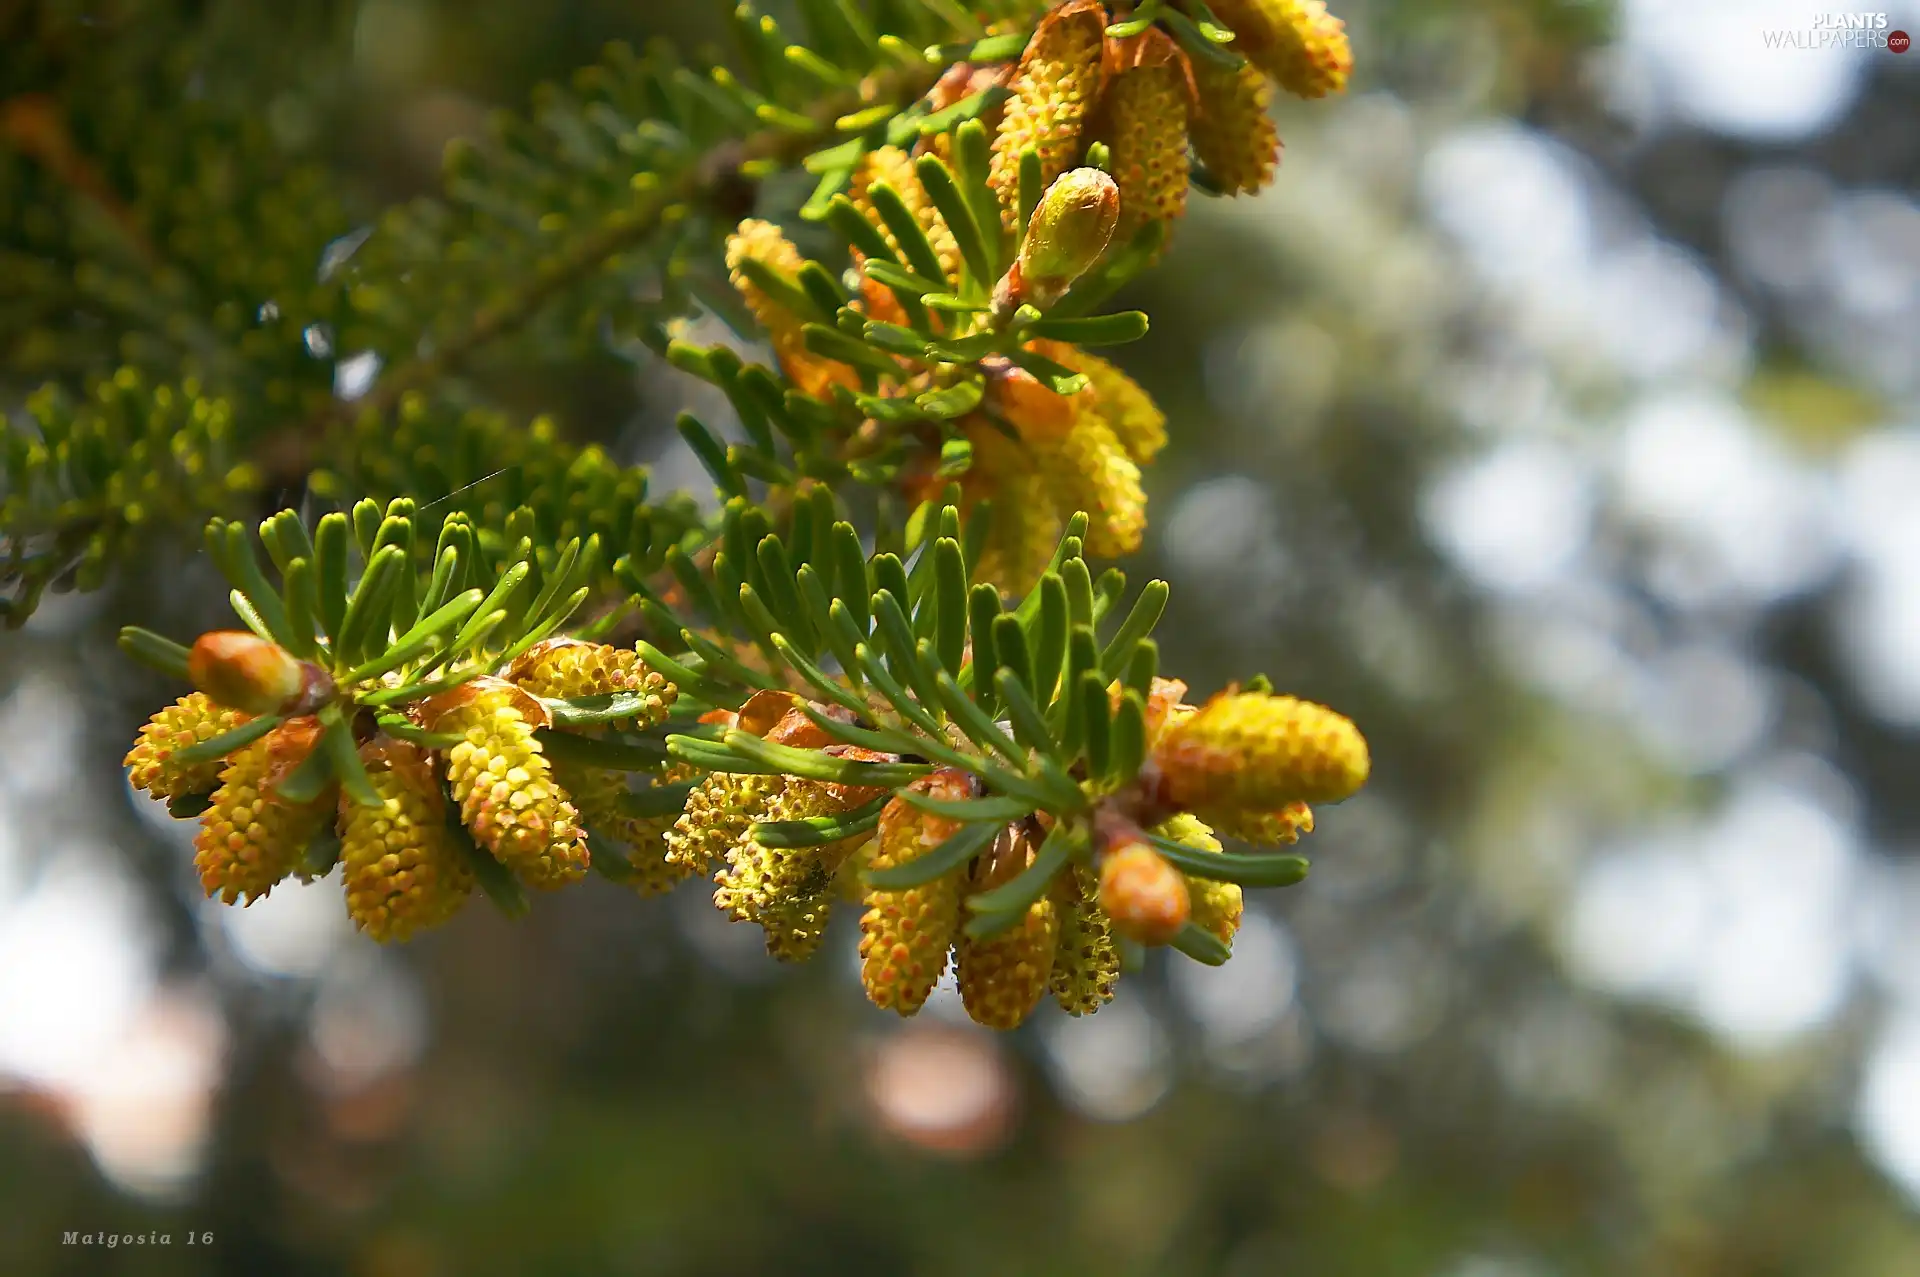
[711, 181]
[960, 724]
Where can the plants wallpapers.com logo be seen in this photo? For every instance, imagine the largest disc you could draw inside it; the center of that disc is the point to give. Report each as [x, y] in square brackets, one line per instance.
[1840, 31]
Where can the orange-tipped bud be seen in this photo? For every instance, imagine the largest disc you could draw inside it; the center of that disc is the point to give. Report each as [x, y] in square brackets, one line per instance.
[1252, 752]
[1070, 229]
[1144, 895]
[188, 721]
[245, 672]
[905, 934]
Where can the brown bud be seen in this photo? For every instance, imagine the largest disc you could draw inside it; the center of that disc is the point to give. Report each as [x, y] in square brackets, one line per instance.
[764, 711]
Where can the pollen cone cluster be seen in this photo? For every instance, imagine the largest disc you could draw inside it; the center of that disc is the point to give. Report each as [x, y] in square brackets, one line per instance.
[604, 802]
[1067, 456]
[1248, 754]
[564, 669]
[504, 784]
[570, 669]
[192, 719]
[1233, 135]
[1297, 42]
[1003, 977]
[1215, 907]
[1055, 90]
[1144, 122]
[764, 243]
[720, 808]
[1280, 828]
[905, 934]
[894, 167]
[789, 891]
[404, 870]
[408, 839]
[1086, 960]
[249, 838]
[1153, 101]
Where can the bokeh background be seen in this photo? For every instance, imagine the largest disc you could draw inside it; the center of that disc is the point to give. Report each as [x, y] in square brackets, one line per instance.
[1554, 414]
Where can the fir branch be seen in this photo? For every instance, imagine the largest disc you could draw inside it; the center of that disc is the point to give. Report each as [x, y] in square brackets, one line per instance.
[712, 180]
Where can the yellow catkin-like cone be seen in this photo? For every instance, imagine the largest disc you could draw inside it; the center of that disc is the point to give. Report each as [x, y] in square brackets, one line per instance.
[598, 794]
[560, 669]
[717, 813]
[1312, 58]
[1253, 752]
[1145, 125]
[905, 934]
[566, 668]
[1088, 468]
[1080, 460]
[848, 884]
[763, 242]
[1216, 906]
[1055, 88]
[1268, 828]
[1135, 418]
[403, 871]
[1297, 42]
[249, 839]
[1025, 526]
[1002, 978]
[188, 721]
[788, 890]
[508, 797]
[895, 167]
[1232, 132]
[961, 81]
[1086, 961]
